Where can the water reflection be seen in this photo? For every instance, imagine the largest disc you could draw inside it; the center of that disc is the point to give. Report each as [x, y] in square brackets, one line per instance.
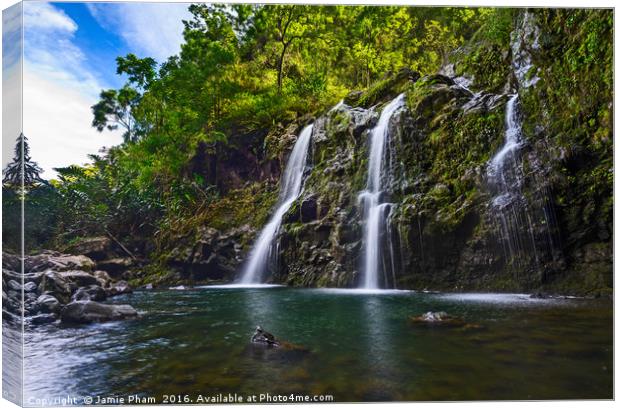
[355, 346]
[379, 345]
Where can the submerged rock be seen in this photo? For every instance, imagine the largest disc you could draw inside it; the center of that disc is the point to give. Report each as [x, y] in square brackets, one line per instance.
[434, 317]
[89, 311]
[442, 319]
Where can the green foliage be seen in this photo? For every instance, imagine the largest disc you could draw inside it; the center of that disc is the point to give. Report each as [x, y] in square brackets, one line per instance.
[486, 58]
[573, 105]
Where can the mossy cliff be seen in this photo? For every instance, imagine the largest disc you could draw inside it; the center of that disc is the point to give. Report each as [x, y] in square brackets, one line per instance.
[444, 229]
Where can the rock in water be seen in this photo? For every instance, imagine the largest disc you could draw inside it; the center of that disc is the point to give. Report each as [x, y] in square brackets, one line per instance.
[443, 319]
[263, 337]
[48, 303]
[119, 288]
[434, 317]
[56, 285]
[88, 311]
[42, 319]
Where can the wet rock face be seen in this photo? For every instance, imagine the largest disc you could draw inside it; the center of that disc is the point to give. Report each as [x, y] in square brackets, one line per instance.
[443, 227]
[210, 254]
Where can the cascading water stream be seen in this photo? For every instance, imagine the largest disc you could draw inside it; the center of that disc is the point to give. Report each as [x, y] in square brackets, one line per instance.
[376, 211]
[291, 186]
[512, 142]
[506, 178]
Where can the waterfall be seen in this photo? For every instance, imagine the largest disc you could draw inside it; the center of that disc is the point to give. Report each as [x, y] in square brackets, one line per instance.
[505, 177]
[290, 189]
[512, 141]
[376, 211]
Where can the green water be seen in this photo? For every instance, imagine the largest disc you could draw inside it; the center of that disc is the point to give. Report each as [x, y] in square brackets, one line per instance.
[360, 347]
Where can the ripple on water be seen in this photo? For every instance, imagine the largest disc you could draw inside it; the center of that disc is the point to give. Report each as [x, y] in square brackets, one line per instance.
[497, 298]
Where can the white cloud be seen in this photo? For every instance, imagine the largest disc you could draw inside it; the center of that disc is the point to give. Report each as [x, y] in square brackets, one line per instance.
[149, 29]
[49, 50]
[11, 80]
[59, 89]
[45, 17]
[57, 122]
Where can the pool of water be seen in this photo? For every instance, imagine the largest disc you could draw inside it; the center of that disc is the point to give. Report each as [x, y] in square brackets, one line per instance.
[359, 346]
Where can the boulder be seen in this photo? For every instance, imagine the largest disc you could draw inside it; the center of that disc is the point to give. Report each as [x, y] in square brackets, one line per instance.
[80, 294]
[48, 303]
[89, 311]
[57, 262]
[103, 278]
[80, 278]
[92, 292]
[30, 286]
[96, 248]
[53, 283]
[119, 288]
[115, 267]
[14, 285]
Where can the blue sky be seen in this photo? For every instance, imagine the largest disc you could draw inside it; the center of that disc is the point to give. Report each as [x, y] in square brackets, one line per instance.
[101, 45]
[69, 57]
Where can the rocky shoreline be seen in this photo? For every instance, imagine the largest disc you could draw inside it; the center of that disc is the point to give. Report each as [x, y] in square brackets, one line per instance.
[66, 287]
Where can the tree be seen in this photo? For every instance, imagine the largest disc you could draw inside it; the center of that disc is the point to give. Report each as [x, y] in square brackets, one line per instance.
[115, 109]
[22, 171]
[141, 71]
[27, 197]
